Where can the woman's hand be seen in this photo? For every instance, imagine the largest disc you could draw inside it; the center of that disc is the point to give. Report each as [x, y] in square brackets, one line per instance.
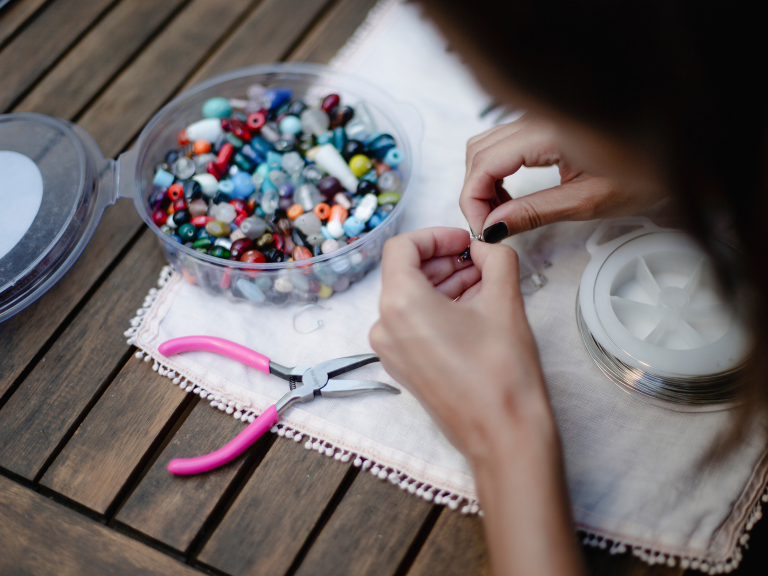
[503, 150]
[455, 333]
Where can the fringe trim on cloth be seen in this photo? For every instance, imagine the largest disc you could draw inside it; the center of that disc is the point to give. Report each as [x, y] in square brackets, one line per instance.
[414, 486]
[245, 414]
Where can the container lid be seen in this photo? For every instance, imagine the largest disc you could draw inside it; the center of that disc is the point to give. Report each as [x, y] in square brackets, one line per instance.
[48, 186]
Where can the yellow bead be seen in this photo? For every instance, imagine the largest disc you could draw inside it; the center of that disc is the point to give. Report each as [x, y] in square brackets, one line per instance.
[325, 291]
[360, 164]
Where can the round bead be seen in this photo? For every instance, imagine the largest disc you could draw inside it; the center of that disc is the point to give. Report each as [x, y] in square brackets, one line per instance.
[184, 168]
[352, 148]
[283, 285]
[290, 125]
[253, 257]
[202, 147]
[394, 157]
[329, 246]
[360, 164]
[216, 108]
[240, 247]
[322, 211]
[187, 232]
[308, 223]
[330, 103]
[314, 121]
[159, 217]
[242, 185]
[295, 211]
[224, 213]
[329, 187]
[389, 182]
[256, 121]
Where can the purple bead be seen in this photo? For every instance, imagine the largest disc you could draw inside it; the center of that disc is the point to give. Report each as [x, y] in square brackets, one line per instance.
[329, 187]
[285, 190]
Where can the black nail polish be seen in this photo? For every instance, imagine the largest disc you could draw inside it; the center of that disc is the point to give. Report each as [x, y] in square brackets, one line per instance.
[495, 233]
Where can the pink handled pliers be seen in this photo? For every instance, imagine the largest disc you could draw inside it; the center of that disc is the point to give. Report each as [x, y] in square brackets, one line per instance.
[306, 382]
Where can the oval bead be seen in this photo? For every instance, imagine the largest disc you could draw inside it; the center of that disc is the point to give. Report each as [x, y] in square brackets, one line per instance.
[253, 257]
[329, 246]
[300, 253]
[290, 125]
[216, 108]
[389, 198]
[217, 229]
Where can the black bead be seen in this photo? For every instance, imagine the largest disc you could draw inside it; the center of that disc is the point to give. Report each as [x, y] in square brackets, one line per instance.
[352, 148]
[298, 238]
[192, 190]
[367, 187]
[342, 115]
[296, 108]
[221, 197]
[172, 156]
[181, 217]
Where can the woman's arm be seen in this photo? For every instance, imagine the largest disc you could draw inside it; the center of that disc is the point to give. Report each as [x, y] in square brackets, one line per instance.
[473, 363]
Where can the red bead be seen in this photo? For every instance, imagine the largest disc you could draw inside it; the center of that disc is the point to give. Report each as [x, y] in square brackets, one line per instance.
[225, 156]
[279, 242]
[213, 168]
[240, 247]
[201, 221]
[256, 121]
[301, 253]
[175, 191]
[183, 140]
[330, 102]
[226, 280]
[225, 124]
[239, 205]
[159, 217]
[239, 129]
[355, 239]
[253, 257]
[239, 219]
[179, 204]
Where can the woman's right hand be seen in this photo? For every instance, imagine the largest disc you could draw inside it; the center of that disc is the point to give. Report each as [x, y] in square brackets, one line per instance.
[502, 151]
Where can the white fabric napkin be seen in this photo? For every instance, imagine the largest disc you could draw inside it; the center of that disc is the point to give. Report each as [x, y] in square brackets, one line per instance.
[634, 471]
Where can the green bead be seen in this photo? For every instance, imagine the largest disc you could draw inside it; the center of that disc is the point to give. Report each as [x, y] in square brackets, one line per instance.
[219, 252]
[187, 232]
[360, 165]
[217, 229]
[389, 198]
[202, 243]
[234, 140]
[216, 108]
[202, 249]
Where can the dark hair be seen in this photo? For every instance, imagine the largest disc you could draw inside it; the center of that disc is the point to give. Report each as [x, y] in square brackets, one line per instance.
[683, 81]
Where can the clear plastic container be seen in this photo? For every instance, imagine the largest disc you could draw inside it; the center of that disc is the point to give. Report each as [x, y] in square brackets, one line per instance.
[42, 254]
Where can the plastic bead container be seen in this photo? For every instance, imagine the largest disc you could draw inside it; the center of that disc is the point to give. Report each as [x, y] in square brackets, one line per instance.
[276, 283]
[64, 183]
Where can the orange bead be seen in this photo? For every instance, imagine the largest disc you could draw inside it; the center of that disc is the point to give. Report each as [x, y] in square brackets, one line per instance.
[183, 140]
[175, 191]
[322, 210]
[339, 213]
[295, 211]
[202, 147]
[381, 168]
[300, 253]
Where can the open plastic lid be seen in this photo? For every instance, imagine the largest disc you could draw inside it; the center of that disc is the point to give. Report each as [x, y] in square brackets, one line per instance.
[54, 185]
[650, 298]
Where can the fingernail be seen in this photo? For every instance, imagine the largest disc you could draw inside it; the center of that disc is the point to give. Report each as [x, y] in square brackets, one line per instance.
[495, 233]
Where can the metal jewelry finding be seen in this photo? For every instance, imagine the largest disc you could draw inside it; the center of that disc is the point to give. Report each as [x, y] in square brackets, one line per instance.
[302, 309]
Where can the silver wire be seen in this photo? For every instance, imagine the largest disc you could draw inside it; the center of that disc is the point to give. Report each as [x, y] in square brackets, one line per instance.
[302, 309]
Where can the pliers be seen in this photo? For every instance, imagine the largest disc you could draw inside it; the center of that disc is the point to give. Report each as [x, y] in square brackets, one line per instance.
[305, 382]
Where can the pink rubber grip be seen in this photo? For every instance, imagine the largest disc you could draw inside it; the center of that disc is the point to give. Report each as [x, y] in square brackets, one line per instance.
[219, 346]
[229, 451]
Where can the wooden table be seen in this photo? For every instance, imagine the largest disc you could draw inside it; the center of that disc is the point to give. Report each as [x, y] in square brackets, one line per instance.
[86, 429]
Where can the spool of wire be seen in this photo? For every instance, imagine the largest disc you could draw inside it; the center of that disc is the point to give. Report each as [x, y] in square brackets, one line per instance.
[650, 316]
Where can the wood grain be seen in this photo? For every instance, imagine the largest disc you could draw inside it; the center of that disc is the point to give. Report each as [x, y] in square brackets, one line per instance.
[109, 445]
[455, 547]
[275, 512]
[172, 509]
[375, 517]
[157, 73]
[15, 15]
[62, 385]
[332, 31]
[90, 65]
[42, 537]
[29, 55]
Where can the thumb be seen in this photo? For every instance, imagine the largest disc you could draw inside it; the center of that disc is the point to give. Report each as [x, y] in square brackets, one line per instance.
[575, 200]
[498, 265]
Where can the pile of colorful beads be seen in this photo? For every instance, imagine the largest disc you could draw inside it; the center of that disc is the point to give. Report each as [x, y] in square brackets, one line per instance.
[271, 179]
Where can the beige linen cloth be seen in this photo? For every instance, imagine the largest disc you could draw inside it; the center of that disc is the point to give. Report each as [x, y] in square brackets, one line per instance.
[634, 471]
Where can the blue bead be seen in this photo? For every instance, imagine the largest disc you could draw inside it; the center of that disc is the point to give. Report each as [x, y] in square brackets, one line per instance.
[216, 108]
[290, 125]
[370, 176]
[324, 231]
[226, 186]
[285, 190]
[242, 185]
[379, 146]
[371, 137]
[376, 219]
[263, 170]
[339, 139]
[325, 138]
[275, 97]
[252, 155]
[393, 157]
[177, 238]
[274, 160]
[162, 178]
[267, 186]
[261, 146]
[353, 226]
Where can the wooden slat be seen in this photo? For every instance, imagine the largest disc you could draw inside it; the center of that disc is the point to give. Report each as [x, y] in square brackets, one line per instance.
[275, 512]
[454, 547]
[30, 54]
[15, 15]
[55, 394]
[173, 509]
[109, 445]
[332, 32]
[22, 336]
[131, 100]
[97, 58]
[375, 517]
[41, 537]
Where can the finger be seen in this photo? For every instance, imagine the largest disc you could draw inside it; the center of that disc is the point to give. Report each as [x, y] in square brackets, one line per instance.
[500, 271]
[438, 269]
[493, 135]
[471, 292]
[576, 200]
[505, 157]
[459, 282]
[405, 252]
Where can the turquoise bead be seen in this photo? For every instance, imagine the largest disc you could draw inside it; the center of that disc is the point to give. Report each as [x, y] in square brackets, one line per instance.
[226, 186]
[393, 157]
[187, 232]
[353, 226]
[217, 108]
[324, 138]
[290, 125]
[242, 185]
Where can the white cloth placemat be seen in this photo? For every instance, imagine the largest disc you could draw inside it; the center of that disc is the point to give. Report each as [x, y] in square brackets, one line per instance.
[634, 471]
